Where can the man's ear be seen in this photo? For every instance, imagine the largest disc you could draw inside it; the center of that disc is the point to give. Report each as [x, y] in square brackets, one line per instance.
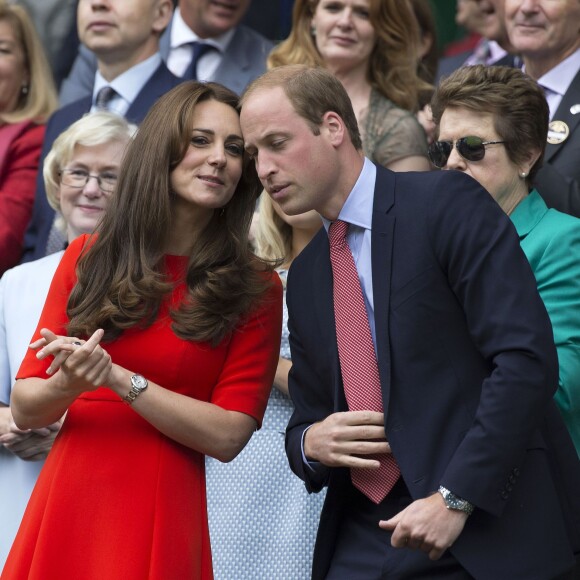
[333, 127]
[163, 13]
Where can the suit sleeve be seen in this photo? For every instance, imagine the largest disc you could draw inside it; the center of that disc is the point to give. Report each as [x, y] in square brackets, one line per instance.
[81, 79]
[310, 389]
[37, 232]
[478, 248]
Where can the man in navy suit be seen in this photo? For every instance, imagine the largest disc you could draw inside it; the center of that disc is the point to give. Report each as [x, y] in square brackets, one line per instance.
[547, 36]
[238, 56]
[124, 34]
[489, 476]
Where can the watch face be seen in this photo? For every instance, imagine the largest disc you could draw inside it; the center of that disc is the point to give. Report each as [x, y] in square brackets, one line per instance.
[139, 381]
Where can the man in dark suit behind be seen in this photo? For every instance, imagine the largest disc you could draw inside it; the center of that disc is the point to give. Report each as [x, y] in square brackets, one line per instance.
[547, 36]
[489, 478]
[124, 34]
[238, 56]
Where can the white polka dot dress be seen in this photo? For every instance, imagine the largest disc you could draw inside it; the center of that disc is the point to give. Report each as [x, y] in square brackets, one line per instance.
[262, 521]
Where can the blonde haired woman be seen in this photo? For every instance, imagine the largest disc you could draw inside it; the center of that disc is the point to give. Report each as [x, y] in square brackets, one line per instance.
[372, 47]
[27, 99]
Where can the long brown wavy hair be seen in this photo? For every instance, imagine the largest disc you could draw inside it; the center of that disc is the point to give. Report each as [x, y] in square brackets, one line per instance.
[121, 278]
[392, 66]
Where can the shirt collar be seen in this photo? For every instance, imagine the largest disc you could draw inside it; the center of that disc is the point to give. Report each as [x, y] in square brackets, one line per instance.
[181, 34]
[528, 213]
[559, 79]
[496, 52]
[130, 83]
[358, 207]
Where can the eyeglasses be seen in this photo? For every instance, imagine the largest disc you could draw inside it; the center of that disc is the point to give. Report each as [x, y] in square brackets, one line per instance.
[470, 148]
[79, 178]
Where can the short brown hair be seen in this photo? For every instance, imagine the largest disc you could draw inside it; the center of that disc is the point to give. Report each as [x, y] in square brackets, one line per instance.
[313, 91]
[518, 105]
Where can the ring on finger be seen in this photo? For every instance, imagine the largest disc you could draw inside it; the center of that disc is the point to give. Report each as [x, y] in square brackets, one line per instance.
[77, 343]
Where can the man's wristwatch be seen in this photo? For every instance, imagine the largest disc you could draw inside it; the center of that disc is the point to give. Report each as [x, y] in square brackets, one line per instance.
[453, 502]
[138, 385]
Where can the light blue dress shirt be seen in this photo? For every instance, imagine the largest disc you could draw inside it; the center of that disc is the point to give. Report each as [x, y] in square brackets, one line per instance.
[181, 50]
[358, 212]
[127, 85]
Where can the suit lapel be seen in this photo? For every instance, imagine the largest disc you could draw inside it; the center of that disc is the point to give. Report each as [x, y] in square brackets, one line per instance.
[383, 227]
[563, 113]
[160, 82]
[324, 303]
[165, 41]
[235, 62]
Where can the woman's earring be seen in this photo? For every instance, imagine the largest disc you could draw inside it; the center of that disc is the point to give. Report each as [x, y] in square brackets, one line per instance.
[24, 89]
[312, 31]
[523, 174]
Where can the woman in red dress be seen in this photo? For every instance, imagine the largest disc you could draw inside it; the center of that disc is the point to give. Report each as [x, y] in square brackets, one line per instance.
[160, 339]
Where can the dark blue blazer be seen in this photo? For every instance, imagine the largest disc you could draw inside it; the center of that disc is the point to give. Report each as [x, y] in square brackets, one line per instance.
[468, 371]
[558, 181]
[36, 235]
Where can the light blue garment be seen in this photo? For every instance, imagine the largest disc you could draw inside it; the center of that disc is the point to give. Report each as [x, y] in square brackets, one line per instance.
[23, 291]
[358, 212]
[551, 241]
[262, 521]
[128, 85]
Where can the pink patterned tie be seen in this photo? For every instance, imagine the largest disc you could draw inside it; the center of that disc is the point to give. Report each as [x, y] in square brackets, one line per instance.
[358, 362]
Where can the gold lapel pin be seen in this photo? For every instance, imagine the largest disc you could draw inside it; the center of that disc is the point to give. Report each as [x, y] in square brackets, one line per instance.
[558, 132]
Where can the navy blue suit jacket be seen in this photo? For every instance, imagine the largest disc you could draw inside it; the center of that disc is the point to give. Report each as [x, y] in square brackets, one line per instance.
[36, 235]
[468, 370]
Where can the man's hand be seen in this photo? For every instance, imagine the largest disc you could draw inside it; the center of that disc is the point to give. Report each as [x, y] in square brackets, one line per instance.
[342, 438]
[426, 525]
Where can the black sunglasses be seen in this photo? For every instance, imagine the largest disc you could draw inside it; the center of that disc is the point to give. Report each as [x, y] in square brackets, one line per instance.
[470, 148]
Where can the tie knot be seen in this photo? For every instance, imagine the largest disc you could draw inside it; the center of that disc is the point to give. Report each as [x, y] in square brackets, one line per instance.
[104, 97]
[199, 49]
[337, 233]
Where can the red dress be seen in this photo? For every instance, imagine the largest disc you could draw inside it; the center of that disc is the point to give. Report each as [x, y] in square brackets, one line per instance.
[117, 499]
